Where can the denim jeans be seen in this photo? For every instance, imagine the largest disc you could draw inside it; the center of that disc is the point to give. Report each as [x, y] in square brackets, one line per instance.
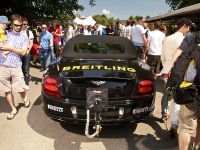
[45, 58]
[26, 67]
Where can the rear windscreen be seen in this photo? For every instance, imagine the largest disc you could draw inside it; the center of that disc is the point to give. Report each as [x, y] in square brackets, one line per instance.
[99, 48]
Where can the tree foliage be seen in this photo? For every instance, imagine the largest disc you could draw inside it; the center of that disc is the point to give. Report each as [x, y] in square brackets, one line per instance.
[147, 17]
[177, 4]
[136, 17]
[111, 21]
[37, 9]
[92, 2]
[131, 18]
[104, 20]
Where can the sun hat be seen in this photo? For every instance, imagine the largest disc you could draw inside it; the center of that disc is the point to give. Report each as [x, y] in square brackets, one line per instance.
[4, 19]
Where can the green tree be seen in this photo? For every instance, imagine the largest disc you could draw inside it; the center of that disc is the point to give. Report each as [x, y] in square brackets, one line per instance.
[136, 17]
[131, 18]
[177, 4]
[104, 20]
[111, 21]
[147, 17]
[38, 9]
[66, 18]
[92, 2]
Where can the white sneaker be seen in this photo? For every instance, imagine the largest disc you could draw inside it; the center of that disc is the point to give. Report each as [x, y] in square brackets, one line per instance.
[27, 88]
[143, 60]
[158, 74]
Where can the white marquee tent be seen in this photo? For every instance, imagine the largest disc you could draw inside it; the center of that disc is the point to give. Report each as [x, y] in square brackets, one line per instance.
[88, 21]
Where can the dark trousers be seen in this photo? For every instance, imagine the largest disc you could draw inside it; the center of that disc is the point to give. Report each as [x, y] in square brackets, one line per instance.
[139, 51]
[154, 62]
[56, 49]
[26, 67]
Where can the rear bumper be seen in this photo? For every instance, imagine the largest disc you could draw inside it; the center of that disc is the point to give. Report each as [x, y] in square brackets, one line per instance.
[60, 109]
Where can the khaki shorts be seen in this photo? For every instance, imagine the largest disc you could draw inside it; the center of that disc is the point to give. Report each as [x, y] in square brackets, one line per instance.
[11, 79]
[189, 117]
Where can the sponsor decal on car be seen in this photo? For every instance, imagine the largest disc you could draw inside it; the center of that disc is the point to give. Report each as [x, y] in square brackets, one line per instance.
[99, 67]
[140, 110]
[55, 108]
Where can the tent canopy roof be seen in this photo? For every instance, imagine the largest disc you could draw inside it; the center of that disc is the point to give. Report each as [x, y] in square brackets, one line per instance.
[87, 21]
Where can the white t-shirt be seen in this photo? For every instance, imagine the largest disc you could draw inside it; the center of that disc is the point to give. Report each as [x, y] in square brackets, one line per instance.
[170, 44]
[156, 39]
[86, 32]
[136, 32]
[30, 34]
[100, 29]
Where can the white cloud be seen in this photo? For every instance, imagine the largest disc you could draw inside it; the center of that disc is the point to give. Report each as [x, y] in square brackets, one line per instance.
[105, 12]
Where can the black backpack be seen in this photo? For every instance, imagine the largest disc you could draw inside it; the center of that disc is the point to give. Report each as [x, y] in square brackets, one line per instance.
[35, 41]
[185, 95]
[27, 32]
[146, 33]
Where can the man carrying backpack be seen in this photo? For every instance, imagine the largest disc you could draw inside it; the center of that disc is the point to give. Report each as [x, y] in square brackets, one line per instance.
[184, 84]
[26, 58]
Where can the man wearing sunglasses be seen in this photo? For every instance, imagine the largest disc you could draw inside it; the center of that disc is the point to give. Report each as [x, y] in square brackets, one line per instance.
[11, 76]
[26, 58]
[46, 45]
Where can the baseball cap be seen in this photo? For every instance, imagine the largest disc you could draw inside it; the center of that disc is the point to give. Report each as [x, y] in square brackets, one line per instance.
[4, 19]
[185, 21]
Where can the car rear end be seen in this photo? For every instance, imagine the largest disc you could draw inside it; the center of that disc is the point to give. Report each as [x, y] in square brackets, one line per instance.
[130, 97]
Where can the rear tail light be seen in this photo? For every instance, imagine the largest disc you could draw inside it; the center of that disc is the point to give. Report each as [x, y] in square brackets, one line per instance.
[146, 82]
[145, 88]
[51, 87]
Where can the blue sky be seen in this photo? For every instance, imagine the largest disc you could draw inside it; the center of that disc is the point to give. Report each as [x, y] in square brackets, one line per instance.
[123, 9]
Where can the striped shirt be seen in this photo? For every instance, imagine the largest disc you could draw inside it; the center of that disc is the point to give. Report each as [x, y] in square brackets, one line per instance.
[12, 59]
[126, 32]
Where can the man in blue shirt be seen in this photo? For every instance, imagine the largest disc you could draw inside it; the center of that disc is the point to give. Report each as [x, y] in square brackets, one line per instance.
[46, 45]
[11, 76]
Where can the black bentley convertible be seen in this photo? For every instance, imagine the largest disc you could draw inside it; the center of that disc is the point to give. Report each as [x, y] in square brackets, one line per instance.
[99, 80]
